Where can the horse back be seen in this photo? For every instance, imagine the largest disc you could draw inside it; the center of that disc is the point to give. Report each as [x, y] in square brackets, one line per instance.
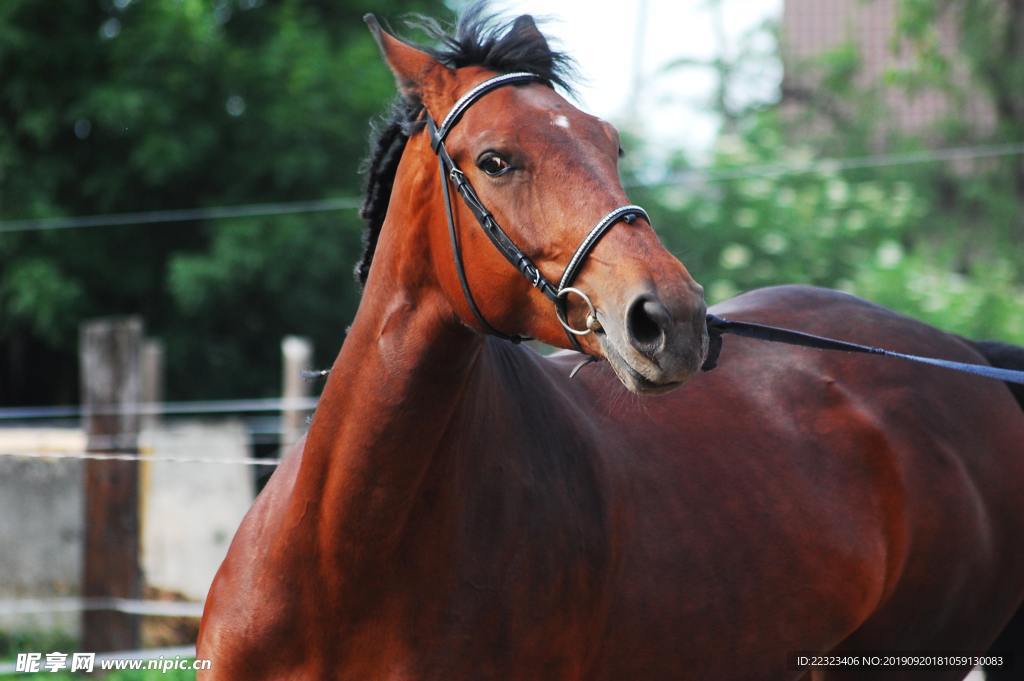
[824, 488]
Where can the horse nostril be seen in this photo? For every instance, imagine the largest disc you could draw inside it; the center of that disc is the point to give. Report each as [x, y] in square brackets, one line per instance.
[646, 322]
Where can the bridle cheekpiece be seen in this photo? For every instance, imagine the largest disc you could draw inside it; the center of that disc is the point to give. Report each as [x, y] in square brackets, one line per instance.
[450, 173]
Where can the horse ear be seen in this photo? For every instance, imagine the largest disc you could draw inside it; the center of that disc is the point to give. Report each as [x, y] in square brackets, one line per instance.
[407, 63]
[525, 26]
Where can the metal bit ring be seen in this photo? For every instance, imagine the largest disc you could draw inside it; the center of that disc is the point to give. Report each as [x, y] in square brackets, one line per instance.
[592, 323]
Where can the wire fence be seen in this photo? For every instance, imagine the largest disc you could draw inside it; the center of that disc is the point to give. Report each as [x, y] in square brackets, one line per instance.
[131, 606]
[112, 456]
[181, 215]
[706, 174]
[111, 447]
[141, 448]
[270, 404]
[832, 165]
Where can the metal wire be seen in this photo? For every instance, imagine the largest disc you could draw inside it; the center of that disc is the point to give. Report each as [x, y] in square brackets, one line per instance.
[837, 164]
[111, 456]
[150, 217]
[132, 606]
[351, 203]
[271, 404]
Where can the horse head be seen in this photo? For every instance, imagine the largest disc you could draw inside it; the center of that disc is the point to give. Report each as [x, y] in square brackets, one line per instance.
[524, 160]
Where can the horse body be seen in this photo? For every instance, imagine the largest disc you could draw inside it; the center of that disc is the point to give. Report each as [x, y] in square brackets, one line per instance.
[462, 509]
[569, 530]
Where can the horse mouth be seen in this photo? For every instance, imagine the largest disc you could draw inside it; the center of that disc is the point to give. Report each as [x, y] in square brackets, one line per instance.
[635, 379]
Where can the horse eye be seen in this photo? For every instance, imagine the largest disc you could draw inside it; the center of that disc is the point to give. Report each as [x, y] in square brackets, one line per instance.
[492, 164]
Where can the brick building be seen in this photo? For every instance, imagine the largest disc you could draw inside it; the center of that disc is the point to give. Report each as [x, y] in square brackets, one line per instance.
[813, 27]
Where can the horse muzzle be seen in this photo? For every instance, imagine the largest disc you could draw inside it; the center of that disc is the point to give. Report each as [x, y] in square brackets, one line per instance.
[655, 345]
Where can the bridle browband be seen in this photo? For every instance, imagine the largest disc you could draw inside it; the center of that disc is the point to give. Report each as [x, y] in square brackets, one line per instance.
[450, 173]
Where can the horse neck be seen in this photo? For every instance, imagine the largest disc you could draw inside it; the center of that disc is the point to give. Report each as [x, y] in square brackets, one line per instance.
[391, 394]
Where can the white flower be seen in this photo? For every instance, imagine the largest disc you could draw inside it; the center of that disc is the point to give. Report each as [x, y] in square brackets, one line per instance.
[889, 254]
[735, 256]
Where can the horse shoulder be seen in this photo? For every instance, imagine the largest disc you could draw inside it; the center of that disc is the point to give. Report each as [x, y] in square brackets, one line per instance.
[239, 623]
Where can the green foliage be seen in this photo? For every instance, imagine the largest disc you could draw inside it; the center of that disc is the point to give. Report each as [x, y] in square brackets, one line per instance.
[142, 675]
[37, 641]
[44, 642]
[989, 49]
[938, 241]
[300, 267]
[120, 106]
[39, 294]
[876, 235]
[123, 106]
[152, 675]
[983, 303]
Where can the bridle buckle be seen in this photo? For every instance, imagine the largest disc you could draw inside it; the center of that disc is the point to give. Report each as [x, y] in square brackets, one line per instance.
[457, 177]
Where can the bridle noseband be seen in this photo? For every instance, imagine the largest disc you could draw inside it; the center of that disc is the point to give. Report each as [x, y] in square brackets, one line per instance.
[450, 172]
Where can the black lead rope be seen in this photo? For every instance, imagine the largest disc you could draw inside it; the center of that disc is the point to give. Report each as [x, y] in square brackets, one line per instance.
[718, 326]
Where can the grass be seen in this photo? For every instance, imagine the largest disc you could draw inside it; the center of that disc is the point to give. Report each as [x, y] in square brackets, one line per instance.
[44, 642]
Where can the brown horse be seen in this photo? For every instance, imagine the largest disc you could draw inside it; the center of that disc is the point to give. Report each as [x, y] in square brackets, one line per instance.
[461, 509]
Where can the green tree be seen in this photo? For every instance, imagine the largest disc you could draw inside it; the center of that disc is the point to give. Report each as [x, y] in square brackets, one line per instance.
[987, 62]
[119, 105]
[937, 241]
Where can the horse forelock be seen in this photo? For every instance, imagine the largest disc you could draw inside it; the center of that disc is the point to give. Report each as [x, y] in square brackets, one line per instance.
[479, 38]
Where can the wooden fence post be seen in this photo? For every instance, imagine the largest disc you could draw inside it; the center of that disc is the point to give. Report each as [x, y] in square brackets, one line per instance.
[296, 356]
[152, 381]
[110, 356]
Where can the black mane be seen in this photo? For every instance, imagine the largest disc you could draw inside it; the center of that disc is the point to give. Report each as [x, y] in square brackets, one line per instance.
[479, 39]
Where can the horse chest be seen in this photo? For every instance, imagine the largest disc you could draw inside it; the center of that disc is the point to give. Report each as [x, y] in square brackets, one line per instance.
[505, 566]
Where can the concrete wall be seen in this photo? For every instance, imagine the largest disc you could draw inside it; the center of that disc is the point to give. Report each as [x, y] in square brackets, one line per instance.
[190, 511]
[40, 528]
[188, 515]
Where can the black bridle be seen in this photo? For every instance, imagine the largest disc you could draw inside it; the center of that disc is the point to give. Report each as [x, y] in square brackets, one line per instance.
[717, 326]
[450, 172]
